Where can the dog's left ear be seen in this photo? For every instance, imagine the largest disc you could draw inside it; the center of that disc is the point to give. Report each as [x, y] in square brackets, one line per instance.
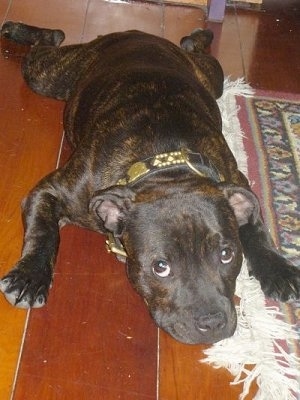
[244, 203]
[111, 206]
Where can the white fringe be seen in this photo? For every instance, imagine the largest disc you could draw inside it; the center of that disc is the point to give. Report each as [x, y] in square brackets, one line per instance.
[231, 125]
[256, 350]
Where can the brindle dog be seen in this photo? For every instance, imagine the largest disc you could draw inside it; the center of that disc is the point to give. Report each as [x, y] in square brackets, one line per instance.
[150, 166]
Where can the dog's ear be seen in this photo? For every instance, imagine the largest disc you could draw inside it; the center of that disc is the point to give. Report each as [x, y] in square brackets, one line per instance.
[244, 203]
[111, 206]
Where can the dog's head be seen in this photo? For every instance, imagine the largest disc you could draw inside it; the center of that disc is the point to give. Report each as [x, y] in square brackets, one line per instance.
[183, 253]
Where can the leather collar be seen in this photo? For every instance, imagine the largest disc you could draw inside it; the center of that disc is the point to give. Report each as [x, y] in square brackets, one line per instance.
[197, 162]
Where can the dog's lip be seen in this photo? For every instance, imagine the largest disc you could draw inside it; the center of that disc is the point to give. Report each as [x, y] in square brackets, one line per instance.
[199, 337]
[190, 333]
[183, 333]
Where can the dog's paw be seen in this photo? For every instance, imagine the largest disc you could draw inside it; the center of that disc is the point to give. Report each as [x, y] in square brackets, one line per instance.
[7, 30]
[199, 40]
[283, 284]
[15, 31]
[31, 35]
[26, 287]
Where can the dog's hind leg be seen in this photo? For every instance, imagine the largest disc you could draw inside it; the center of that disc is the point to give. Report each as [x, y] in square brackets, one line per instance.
[48, 69]
[198, 41]
[207, 67]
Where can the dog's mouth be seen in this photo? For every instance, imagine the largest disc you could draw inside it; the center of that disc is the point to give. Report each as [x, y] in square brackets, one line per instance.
[193, 335]
[203, 329]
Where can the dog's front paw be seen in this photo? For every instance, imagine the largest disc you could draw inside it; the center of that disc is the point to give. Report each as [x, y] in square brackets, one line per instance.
[26, 286]
[283, 283]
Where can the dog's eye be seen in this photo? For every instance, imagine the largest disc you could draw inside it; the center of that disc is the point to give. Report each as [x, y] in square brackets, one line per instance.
[161, 268]
[227, 255]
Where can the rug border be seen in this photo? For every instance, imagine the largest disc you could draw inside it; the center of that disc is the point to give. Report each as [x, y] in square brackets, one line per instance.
[258, 180]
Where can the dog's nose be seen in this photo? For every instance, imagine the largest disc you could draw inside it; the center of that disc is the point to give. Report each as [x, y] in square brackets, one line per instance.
[210, 322]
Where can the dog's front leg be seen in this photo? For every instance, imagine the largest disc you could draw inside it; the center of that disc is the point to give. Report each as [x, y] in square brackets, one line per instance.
[28, 283]
[278, 278]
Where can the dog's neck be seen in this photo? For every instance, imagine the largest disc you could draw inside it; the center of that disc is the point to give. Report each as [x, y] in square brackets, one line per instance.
[198, 163]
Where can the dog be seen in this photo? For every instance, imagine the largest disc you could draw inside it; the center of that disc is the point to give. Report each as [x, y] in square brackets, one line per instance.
[150, 169]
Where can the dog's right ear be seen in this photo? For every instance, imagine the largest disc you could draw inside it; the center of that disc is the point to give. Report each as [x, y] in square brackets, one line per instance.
[111, 206]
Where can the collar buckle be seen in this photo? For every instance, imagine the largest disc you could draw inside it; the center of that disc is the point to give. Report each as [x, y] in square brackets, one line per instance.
[114, 245]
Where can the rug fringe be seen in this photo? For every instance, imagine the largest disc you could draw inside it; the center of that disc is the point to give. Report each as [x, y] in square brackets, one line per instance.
[256, 350]
[231, 126]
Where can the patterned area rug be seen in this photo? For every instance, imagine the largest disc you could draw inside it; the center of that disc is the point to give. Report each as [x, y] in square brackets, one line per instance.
[263, 131]
[271, 124]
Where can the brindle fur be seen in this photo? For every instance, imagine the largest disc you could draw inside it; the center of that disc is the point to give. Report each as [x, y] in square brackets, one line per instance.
[130, 96]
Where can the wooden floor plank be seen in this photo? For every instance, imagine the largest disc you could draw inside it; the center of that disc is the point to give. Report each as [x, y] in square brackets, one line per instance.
[4, 6]
[29, 147]
[226, 45]
[106, 17]
[24, 125]
[180, 21]
[68, 15]
[183, 376]
[271, 53]
[94, 339]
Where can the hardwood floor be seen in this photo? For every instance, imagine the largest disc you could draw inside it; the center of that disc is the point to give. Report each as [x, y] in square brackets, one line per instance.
[94, 339]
